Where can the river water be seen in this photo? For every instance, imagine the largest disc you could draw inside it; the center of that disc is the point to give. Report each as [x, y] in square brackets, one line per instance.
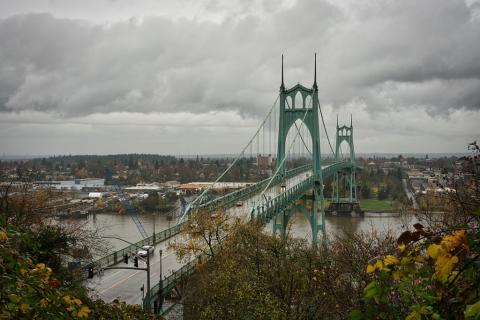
[122, 226]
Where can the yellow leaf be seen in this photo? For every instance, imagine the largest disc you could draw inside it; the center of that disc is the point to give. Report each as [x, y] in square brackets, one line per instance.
[378, 265]
[24, 308]
[77, 301]
[414, 315]
[390, 260]
[419, 259]
[370, 268]
[452, 276]
[44, 302]
[450, 242]
[3, 236]
[401, 247]
[444, 266]
[83, 313]
[434, 250]
[40, 266]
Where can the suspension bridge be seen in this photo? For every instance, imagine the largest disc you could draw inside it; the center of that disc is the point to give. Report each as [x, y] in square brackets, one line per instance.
[294, 130]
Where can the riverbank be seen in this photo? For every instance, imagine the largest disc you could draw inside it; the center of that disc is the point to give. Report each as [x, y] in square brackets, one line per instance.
[378, 206]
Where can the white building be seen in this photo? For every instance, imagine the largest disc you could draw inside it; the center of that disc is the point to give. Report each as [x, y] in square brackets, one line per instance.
[77, 184]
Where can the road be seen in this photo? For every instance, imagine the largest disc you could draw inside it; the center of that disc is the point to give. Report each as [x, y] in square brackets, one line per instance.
[125, 285]
[410, 194]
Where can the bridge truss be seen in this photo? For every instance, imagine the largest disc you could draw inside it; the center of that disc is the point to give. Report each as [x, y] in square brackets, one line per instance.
[290, 183]
[295, 121]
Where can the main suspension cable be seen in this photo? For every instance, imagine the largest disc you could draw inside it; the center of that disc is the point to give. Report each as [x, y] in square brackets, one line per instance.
[284, 158]
[232, 164]
[288, 151]
[325, 128]
[303, 141]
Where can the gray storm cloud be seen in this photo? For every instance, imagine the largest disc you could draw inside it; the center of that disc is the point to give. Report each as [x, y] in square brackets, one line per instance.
[383, 56]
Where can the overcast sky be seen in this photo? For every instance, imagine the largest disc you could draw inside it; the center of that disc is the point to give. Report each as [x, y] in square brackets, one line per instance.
[197, 77]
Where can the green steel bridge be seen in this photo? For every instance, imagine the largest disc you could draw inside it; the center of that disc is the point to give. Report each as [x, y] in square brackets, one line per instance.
[297, 119]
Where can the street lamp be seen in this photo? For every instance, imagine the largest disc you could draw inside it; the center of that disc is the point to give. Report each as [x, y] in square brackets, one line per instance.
[144, 269]
[160, 284]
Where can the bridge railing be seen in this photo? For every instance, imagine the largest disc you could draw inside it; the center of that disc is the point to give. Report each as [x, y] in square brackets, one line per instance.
[186, 270]
[271, 207]
[220, 202]
[244, 193]
[266, 211]
[117, 256]
[170, 282]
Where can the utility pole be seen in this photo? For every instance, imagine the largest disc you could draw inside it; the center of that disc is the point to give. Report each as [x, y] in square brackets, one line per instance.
[154, 218]
[160, 285]
[148, 282]
[147, 269]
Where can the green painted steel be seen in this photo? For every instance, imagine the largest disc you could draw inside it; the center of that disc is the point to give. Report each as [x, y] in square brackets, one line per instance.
[229, 199]
[308, 112]
[345, 134]
[284, 205]
[281, 208]
[117, 256]
[164, 287]
[221, 202]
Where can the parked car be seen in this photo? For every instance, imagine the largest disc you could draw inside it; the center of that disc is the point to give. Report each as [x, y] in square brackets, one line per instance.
[146, 250]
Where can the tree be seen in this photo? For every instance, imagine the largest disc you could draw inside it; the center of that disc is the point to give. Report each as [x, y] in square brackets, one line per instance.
[365, 191]
[150, 204]
[434, 271]
[203, 233]
[32, 289]
[382, 193]
[259, 276]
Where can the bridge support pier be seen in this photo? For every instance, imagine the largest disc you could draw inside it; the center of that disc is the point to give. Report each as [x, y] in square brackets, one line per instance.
[344, 199]
[316, 227]
[312, 208]
[282, 225]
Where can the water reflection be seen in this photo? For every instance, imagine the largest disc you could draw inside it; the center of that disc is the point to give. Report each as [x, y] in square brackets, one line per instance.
[122, 226]
[334, 225]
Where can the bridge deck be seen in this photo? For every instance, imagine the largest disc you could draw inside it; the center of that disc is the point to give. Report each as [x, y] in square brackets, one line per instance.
[125, 284]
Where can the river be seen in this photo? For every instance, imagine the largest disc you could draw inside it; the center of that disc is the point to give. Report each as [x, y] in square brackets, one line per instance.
[122, 226]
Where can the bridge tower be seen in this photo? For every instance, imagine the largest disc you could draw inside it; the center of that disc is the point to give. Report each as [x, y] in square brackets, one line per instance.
[309, 113]
[349, 203]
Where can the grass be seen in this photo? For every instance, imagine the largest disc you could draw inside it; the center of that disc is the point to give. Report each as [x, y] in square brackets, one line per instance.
[376, 205]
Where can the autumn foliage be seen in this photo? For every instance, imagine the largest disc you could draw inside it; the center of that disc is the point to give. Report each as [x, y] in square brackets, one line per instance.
[435, 271]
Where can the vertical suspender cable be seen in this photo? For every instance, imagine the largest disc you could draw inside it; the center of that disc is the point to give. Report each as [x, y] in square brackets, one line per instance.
[270, 135]
[325, 128]
[258, 143]
[283, 161]
[241, 154]
[263, 141]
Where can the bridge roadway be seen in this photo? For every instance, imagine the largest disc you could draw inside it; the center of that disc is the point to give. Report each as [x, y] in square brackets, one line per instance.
[125, 284]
